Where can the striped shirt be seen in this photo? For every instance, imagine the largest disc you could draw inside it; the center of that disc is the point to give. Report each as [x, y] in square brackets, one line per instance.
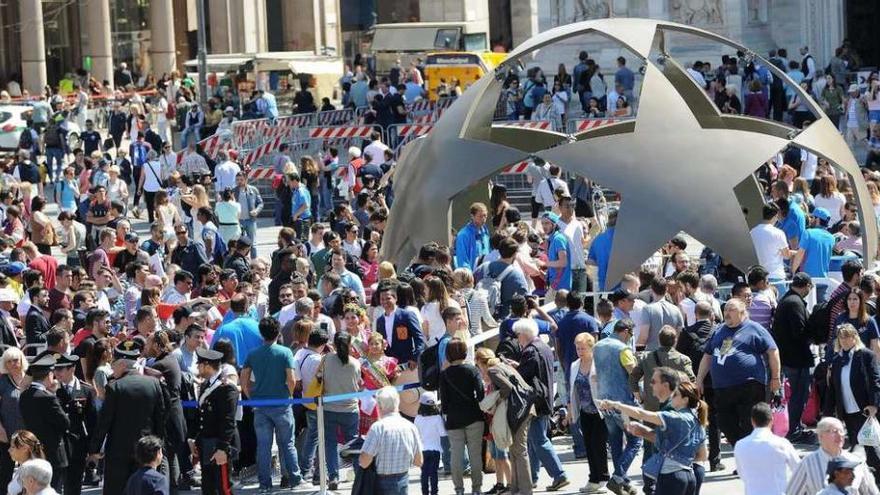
[809, 477]
[394, 442]
[478, 310]
[762, 308]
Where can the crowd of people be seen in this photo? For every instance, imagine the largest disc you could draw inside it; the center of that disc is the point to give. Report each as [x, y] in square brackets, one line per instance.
[106, 334]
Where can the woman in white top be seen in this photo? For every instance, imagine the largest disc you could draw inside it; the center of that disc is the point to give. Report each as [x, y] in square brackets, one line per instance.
[830, 198]
[23, 446]
[117, 189]
[546, 110]
[228, 210]
[438, 299]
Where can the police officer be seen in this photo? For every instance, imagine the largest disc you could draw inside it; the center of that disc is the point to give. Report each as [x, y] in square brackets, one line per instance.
[44, 416]
[78, 401]
[216, 441]
[134, 406]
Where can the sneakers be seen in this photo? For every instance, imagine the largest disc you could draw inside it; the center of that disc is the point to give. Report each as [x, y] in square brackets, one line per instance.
[498, 489]
[618, 487]
[558, 483]
[285, 482]
[594, 488]
[714, 467]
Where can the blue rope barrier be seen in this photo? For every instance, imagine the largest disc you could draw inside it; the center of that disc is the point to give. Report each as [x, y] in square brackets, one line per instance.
[305, 400]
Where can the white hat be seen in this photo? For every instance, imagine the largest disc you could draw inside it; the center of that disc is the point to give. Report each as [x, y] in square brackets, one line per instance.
[428, 398]
[354, 152]
[229, 110]
[853, 88]
[7, 295]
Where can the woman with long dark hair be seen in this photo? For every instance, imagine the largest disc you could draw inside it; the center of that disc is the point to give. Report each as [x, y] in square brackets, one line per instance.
[503, 213]
[679, 434]
[340, 374]
[856, 314]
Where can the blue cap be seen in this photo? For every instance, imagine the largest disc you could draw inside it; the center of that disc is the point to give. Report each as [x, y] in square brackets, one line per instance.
[15, 268]
[553, 217]
[822, 214]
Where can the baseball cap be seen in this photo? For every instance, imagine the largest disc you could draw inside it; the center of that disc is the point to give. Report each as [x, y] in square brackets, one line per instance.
[428, 398]
[7, 295]
[801, 279]
[853, 88]
[620, 294]
[822, 214]
[229, 110]
[354, 152]
[840, 462]
[15, 268]
[549, 215]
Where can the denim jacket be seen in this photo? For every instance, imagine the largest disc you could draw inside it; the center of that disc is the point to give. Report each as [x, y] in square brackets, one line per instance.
[680, 436]
[614, 379]
[249, 199]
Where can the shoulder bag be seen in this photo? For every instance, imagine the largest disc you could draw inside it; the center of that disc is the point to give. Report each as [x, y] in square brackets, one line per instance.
[316, 386]
[652, 467]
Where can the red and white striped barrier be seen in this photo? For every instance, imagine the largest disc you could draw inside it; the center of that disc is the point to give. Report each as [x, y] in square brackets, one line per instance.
[518, 168]
[261, 151]
[362, 131]
[428, 118]
[414, 130]
[586, 125]
[529, 124]
[420, 106]
[335, 117]
[210, 145]
[302, 120]
[261, 173]
[445, 102]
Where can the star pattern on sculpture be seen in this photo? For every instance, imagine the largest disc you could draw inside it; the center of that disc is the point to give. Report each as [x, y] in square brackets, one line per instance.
[653, 168]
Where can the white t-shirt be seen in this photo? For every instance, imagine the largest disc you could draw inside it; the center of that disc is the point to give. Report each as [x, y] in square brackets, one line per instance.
[431, 430]
[376, 152]
[547, 197]
[152, 172]
[225, 173]
[810, 164]
[431, 316]
[768, 241]
[574, 231]
[833, 204]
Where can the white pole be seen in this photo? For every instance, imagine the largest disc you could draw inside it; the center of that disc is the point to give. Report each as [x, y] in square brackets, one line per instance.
[322, 454]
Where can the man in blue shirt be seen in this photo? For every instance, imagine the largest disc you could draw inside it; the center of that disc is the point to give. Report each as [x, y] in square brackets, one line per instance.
[271, 367]
[793, 220]
[301, 205]
[735, 355]
[242, 332]
[558, 255]
[625, 78]
[575, 321]
[600, 249]
[814, 251]
[472, 241]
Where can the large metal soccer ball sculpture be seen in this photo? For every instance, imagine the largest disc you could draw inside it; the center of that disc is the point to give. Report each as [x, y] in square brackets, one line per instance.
[681, 165]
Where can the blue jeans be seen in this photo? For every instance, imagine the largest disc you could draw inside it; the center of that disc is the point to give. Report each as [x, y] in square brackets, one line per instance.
[394, 484]
[55, 155]
[541, 450]
[799, 379]
[277, 422]
[430, 463]
[326, 193]
[189, 133]
[307, 455]
[249, 227]
[680, 482]
[621, 456]
[334, 421]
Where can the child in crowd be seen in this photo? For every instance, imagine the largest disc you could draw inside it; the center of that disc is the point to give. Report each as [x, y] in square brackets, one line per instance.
[431, 429]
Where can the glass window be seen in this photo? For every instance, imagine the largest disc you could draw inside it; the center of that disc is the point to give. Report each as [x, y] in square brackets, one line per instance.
[447, 39]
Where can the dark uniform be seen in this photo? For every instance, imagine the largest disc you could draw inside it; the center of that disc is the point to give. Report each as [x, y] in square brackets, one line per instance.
[134, 406]
[78, 401]
[45, 418]
[175, 426]
[218, 400]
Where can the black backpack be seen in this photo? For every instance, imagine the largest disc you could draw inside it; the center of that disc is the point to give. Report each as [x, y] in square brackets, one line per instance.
[26, 140]
[52, 136]
[29, 172]
[819, 322]
[429, 367]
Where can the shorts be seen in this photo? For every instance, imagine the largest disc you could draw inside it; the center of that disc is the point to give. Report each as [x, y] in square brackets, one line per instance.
[537, 208]
[497, 454]
[874, 116]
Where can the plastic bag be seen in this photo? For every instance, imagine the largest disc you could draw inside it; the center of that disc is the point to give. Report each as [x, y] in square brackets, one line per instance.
[780, 420]
[869, 433]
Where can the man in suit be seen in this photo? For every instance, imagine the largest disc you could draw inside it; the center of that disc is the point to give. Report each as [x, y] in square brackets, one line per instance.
[400, 328]
[78, 401]
[134, 406]
[36, 324]
[216, 440]
[8, 301]
[44, 416]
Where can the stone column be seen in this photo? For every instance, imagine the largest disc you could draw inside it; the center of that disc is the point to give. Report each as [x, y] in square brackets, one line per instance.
[219, 23]
[162, 51]
[33, 46]
[100, 43]
[523, 20]
[248, 26]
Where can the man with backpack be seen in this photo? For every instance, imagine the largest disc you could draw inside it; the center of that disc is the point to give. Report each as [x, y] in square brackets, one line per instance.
[502, 279]
[28, 171]
[55, 144]
[29, 140]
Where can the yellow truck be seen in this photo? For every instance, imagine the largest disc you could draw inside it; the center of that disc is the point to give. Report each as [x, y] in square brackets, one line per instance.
[444, 69]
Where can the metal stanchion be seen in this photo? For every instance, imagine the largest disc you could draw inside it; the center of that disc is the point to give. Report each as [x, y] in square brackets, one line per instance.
[322, 454]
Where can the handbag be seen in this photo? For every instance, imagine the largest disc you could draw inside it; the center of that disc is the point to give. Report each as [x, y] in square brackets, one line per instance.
[366, 480]
[316, 386]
